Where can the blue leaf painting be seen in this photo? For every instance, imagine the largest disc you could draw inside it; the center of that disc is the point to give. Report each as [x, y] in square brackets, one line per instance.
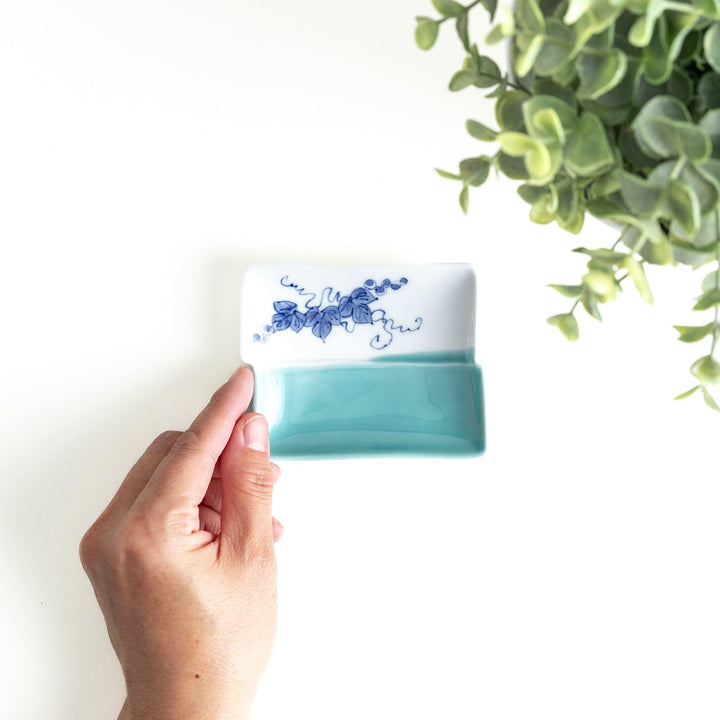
[361, 314]
[362, 296]
[346, 306]
[311, 317]
[322, 327]
[298, 321]
[331, 314]
[335, 309]
[283, 306]
[281, 322]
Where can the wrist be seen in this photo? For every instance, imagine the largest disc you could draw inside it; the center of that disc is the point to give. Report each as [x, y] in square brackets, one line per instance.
[189, 701]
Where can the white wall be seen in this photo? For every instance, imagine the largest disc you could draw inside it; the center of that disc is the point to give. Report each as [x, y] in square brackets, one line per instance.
[149, 150]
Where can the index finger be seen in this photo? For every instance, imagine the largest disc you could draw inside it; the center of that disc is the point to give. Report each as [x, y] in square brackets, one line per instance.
[186, 471]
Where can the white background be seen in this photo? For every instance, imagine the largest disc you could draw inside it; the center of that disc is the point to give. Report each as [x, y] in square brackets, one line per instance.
[149, 150]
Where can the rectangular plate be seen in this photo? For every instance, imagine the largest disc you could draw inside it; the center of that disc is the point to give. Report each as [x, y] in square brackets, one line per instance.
[364, 360]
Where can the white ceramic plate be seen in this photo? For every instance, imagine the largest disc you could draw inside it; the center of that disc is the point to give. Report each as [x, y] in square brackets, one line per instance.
[364, 359]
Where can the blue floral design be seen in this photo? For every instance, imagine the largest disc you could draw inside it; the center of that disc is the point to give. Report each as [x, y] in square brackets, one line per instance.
[333, 309]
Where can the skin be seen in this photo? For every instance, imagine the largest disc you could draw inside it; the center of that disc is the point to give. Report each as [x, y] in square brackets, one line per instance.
[182, 562]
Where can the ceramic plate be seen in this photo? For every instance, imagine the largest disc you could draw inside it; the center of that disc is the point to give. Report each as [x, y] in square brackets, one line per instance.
[362, 360]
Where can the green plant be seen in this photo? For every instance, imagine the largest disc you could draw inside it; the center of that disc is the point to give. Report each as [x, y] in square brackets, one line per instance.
[612, 108]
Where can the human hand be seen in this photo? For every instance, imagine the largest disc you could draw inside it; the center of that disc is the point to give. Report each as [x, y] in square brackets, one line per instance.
[183, 565]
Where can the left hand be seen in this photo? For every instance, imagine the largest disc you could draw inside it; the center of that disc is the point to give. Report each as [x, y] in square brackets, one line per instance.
[183, 565]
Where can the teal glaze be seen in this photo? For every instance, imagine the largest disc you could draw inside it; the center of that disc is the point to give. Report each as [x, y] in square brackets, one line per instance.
[411, 406]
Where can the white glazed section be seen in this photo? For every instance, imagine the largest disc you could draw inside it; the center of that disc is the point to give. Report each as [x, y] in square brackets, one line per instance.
[437, 304]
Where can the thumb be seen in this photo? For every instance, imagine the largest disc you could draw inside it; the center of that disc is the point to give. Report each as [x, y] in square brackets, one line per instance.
[247, 487]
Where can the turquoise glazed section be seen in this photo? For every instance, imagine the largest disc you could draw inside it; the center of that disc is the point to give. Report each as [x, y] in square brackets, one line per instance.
[422, 406]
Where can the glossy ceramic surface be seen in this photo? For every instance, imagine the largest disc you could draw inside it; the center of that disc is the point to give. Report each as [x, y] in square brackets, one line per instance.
[364, 360]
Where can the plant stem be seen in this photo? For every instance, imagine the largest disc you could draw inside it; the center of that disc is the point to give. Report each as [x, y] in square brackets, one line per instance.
[468, 8]
[507, 82]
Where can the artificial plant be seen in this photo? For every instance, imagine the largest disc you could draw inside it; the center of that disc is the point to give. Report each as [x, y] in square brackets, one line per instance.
[611, 107]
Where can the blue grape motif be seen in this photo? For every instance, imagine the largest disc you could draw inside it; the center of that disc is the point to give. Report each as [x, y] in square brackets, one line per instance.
[339, 312]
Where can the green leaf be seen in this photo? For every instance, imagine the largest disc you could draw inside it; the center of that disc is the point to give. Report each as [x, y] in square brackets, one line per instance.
[706, 370]
[711, 45]
[448, 8]
[605, 185]
[707, 300]
[679, 28]
[680, 85]
[664, 106]
[657, 62]
[544, 209]
[641, 196]
[461, 26]
[709, 401]
[637, 274]
[545, 125]
[480, 131]
[710, 123]
[490, 6]
[663, 128]
[571, 209]
[500, 89]
[642, 29]
[464, 199]
[598, 18]
[526, 59]
[426, 32]
[711, 281]
[537, 157]
[708, 91]
[691, 334]
[688, 254]
[576, 9]
[588, 151]
[509, 110]
[694, 177]
[446, 174]
[487, 72]
[556, 50]
[603, 284]
[512, 167]
[610, 257]
[565, 113]
[495, 36]
[589, 301]
[655, 252]
[683, 205]
[462, 79]
[474, 171]
[530, 16]
[600, 73]
[567, 324]
[614, 209]
[687, 393]
[710, 8]
[569, 291]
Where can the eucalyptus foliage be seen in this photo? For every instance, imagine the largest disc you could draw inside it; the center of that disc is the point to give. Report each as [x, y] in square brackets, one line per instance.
[612, 108]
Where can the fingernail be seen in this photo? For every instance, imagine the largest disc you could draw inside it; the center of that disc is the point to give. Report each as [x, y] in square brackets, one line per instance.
[237, 372]
[255, 434]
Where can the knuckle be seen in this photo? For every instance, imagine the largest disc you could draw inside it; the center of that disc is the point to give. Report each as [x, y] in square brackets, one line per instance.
[258, 479]
[190, 444]
[132, 544]
[90, 548]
